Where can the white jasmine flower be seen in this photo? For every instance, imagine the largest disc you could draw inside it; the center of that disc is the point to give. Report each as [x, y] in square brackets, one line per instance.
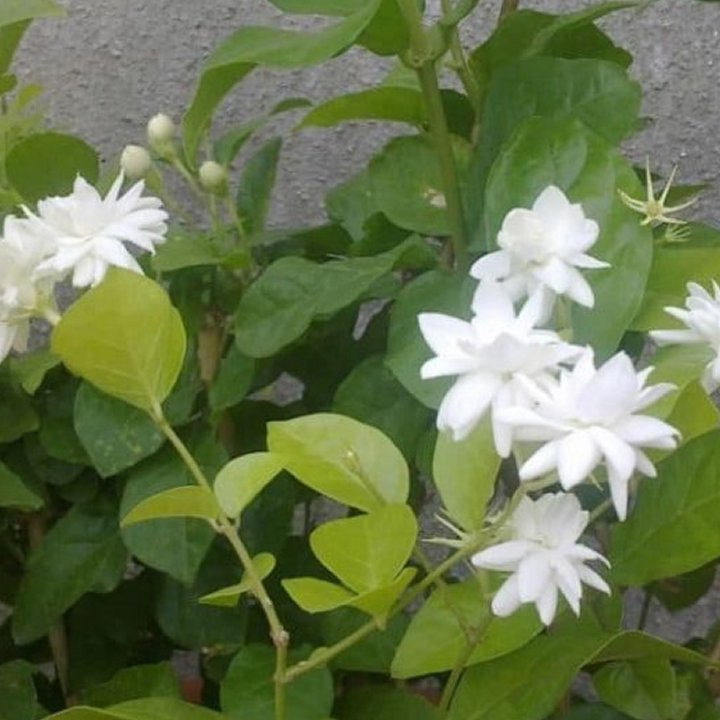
[702, 320]
[544, 247]
[590, 416]
[544, 557]
[213, 176]
[21, 296]
[487, 353]
[160, 131]
[135, 162]
[89, 230]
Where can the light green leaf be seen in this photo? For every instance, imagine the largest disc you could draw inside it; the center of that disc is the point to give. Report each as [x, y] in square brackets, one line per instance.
[342, 459]
[124, 337]
[30, 369]
[115, 435]
[187, 501]
[242, 480]
[256, 186]
[367, 551]
[464, 473]
[435, 291]
[133, 683]
[643, 689]
[407, 184]
[379, 602]
[314, 595]
[673, 527]
[15, 494]
[693, 414]
[435, 638]
[82, 553]
[46, 164]
[247, 690]
[144, 709]
[264, 564]
[13, 11]
[565, 153]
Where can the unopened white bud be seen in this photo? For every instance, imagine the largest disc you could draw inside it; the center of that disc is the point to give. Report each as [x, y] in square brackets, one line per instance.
[213, 176]
[135, 162]
[160, 132]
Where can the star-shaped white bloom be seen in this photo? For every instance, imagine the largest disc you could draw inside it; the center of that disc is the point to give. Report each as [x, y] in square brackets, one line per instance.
[702, 320]
[544, 247]
[544, 557]
[22, 297]
[90, 230]
[487, 353]
[589, 416]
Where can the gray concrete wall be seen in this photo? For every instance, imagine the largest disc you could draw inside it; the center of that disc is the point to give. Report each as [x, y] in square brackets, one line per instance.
[112, 65]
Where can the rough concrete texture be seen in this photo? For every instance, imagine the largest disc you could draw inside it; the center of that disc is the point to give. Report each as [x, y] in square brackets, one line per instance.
[114, 64]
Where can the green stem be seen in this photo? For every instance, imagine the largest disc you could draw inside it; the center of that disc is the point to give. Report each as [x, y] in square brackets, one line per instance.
[508, 7]
[421, 59]
[599, 510]
[456, 673]
[645, 610]
[461, 64]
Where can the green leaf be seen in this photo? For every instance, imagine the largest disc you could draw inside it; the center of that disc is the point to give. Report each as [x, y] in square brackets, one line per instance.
[672, 528]
[256, 186]
[232, 381]
[13, 11]
[15, 494]
[684, 590]
[342, 459]
[182, 250]
[46, 164]
[435, 291]
[115, 435]
[188, 501]
[133, 683]
[435, 638]
[242, 480]
[233, 59]
[247, 690]
[529, 682]
[176, 546]
[292, 292]
[125, 338]
[30, 369]
[264, 564]
[672, 268]
[693, 414]
[407, 184]
[372, 394]
[144, 709]
[18, 698]
[17, 414]
[464, 473]
[367, 551]
[82, 553]
[565, 153]
[314, 595]
[384, 703]
[643, 689]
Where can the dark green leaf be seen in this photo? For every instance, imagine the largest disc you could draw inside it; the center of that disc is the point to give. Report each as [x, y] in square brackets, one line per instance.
[17, 415]
[384, 703]
[232, 381]
[30, 369]
[256, 186]
[14, 493]
[18, 698]
[140, 681]
[82, 553]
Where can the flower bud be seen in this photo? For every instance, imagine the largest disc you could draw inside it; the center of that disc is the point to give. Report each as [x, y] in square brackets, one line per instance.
[135, 162]
[160, 133]
[213, 176]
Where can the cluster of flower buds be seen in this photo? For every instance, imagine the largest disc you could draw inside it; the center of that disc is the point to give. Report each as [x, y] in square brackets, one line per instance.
[542, 391]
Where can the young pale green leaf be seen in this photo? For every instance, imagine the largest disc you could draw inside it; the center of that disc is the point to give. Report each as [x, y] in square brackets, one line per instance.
[14, 493]
[643, 689]
[156, 708]
[264, 564]
[367, 551]
[184, 502]
[14, 11]
[18, 697]
[564, 152]
[82, 553]
[115, 435]
[434, 291]
[672, 528]
[381, 702]
[133, 683]
[435, 638]
[529, 682]
[242, 480]
[407, 184]
[46, 164]
[247, 690]
[292, 292]
[464, 473]
[314, 595]
[342, 458]
[379, 601]
[256, 186]
[125, 337]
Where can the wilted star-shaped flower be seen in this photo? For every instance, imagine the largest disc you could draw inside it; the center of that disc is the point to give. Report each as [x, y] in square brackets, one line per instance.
[544, 247]
[21, 296]
[89, 230]
[702, 320]
[487, 353]
[589, 416]
[544, 557]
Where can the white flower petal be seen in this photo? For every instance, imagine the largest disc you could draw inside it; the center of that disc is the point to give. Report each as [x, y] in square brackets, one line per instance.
[505, 556]
[547, 604]
[506, 600]
[577, 456]
[534, 575]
